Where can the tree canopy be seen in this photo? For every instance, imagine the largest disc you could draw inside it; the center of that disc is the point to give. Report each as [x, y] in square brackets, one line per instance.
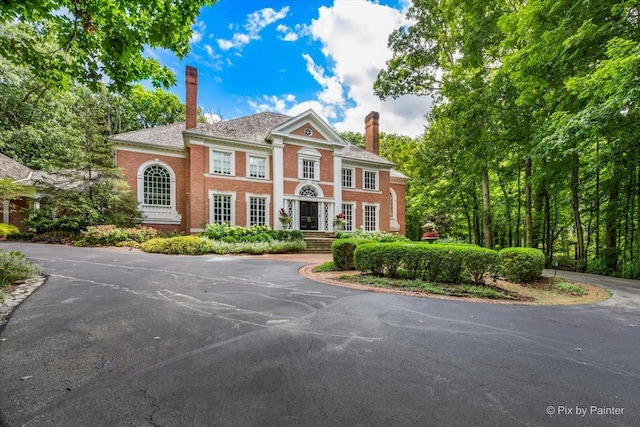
[89, 41]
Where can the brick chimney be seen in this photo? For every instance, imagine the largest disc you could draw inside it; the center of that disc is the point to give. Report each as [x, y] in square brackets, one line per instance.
[192, 97]
[371, 122]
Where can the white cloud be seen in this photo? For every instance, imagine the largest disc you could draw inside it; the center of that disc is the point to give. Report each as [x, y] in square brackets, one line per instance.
[198, 31]
[256, 22]
[291, 35]
[353, 35]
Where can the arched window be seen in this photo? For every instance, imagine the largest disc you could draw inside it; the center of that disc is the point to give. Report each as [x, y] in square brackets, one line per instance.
[156, 186]
[157, 193]
[308, 191]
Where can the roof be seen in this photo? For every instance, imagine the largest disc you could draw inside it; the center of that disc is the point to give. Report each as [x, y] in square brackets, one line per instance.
[397, 174]
[167, 136]
[252, 128]
[10, 169]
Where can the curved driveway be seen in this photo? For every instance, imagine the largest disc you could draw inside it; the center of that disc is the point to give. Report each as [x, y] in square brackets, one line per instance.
[133, 339]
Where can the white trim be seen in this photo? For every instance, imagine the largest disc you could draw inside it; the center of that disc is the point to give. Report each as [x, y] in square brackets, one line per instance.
[354, 209]
[364, 214]
[337, 179]
[377, 174]
[158, 215]
[309, 154]
[278, 180]
[311, 184]
[232, 161]
[267, 207]
[394, 225]
[156, 152]
[233, 204]
[353, 177]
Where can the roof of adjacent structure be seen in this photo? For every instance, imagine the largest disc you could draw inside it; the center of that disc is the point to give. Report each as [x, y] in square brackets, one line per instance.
[10, 169]
[252, 129]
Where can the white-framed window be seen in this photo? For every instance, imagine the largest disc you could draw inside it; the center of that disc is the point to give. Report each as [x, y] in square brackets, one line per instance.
[392, 205]
[157, 193]
[348, 210]
[371, 217]
[222, 208]
[258, 210]
[370, 180]
[347, 178]
[257, 167]
[309, 164]
[222, 162]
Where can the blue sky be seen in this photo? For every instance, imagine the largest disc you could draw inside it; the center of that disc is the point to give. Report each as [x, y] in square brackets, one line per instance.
[290, 56]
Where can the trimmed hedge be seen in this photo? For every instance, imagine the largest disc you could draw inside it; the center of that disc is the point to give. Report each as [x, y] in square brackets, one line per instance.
[446, 263]
[255, 233]
[110, 235]
[342, 251]
[182, 245]
[521, 264]
[198, 245]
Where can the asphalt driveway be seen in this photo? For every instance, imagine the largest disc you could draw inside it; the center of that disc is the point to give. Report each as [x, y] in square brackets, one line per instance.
[133, 339]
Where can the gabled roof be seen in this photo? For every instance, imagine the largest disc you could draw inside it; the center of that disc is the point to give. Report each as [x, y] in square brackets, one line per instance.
[254, 128]
[354, 152]
[10, 169]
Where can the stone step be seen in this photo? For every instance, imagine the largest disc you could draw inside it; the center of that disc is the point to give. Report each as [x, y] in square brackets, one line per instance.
[319, 244]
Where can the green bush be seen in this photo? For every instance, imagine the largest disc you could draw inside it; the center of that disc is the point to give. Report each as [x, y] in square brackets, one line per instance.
[521, 264]
[377, 236]
[181, 245]
[109, 235]
[15, 266]
[7, 230]
[255, 233]
[342, 251]
[433, 262]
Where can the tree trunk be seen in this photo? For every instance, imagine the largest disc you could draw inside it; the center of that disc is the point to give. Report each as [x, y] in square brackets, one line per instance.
[527, 204]
[486, 210]
[611, 220]
[581, 256]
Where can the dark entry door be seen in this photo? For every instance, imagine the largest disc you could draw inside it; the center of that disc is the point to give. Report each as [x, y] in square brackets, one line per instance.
[308, 215]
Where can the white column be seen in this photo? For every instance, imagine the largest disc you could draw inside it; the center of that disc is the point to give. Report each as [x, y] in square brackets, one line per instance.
[278, 181]
[337, 182]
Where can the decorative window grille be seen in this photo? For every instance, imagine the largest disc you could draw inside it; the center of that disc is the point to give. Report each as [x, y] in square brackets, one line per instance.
[308, 169]
[370, 180]
[326, 215]
[370, 218]
[221, 209]
[347, 211]
[221, 163]
[257, 211]
[157, 186]
[257, 167]
[347, 178]
[291, 206]
[308, 191]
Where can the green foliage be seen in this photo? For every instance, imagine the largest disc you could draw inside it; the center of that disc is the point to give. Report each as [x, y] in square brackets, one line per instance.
[181, 245]
[15, 266]
[109, 235]
[342, 250]
[255, 233]
[569, 288]
[8, 230]
[522, 264]
[377, 236]
[60, 41]
[437, 263]
[325, 266]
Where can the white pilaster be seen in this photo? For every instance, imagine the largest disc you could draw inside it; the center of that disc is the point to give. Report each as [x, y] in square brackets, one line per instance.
[337, 181]
[278, 181]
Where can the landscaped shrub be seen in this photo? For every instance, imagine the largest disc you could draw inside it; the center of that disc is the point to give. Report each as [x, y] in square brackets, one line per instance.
[7, 230]
[521, 264]
[376, 236]
[436, 263]
[255, 233]
[342, 251]
[182, 245]
[108, 235]
[15, 266]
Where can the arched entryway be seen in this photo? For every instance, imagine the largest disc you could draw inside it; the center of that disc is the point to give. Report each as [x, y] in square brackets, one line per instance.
[308, 212]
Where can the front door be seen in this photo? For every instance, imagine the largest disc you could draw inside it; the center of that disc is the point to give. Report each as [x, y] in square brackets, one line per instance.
[308, 215]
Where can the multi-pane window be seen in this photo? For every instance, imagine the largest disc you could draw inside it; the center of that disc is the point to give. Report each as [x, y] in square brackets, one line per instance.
[347, 178]
[370, 217]
[221, 209]
[347, 211]
[308, 169]
[257, 211]
[392, 206]
[370, 180]
[221, 163]
[257, 167]
[157, 186]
